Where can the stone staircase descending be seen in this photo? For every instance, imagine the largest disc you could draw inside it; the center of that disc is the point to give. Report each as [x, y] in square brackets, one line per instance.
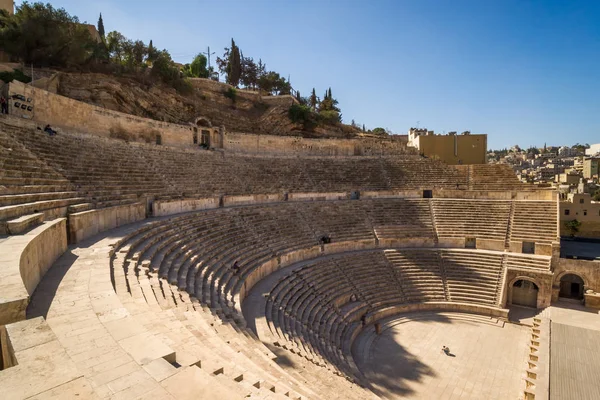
[510, 224]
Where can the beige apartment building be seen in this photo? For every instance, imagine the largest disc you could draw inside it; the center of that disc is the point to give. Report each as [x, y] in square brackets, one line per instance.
[590, 167]
[453, 149]
[580, 206]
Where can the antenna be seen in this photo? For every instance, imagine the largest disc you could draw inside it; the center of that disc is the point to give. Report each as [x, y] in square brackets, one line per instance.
[418, 122]
[208, 54]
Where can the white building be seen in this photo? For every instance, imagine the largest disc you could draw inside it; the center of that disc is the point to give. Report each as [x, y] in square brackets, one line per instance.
[566, 151]
[593, 150]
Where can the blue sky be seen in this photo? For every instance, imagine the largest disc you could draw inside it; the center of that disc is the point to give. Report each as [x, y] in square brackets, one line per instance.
[524, 72]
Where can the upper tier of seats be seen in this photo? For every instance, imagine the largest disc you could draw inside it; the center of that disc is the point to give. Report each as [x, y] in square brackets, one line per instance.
[95, 172]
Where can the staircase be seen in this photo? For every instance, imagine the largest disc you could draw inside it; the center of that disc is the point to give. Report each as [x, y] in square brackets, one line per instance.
[510, 224]
[433, 221]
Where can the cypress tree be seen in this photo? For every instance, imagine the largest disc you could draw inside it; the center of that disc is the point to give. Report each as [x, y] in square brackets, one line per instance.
[234, 70]
[313, 100]
[101, 27]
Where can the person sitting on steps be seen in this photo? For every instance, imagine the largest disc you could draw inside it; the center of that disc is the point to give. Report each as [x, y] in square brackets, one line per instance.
[235, 268]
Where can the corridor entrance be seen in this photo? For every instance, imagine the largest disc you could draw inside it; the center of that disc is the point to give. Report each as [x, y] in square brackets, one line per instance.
[571, 287]
[525, 293]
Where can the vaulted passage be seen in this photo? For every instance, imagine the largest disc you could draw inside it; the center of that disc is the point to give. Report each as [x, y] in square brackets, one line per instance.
[571, 287]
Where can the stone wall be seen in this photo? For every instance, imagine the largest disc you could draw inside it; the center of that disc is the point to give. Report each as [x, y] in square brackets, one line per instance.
[89, 223]
[589, 271]
[75, 116]
[293, 145]
[24, 263]
[543, 280]
[169, 207]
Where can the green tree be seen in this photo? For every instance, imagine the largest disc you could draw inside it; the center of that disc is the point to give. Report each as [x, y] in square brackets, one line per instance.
[152, 53]
[380, 131]
[249, 76]
[116, 43]
[101, 27]
[197, 69]
[42, 35]
[329, 110]
[313, 100]
[572, 227]
[234, 68]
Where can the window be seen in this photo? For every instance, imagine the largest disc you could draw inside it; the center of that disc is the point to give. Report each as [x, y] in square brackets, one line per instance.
[528, 248]
[428, 194]
[580, 201]
[470, 243]
[584, 212]
[567, 212]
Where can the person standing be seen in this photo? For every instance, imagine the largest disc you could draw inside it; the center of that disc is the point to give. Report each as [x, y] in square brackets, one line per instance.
[3, 105]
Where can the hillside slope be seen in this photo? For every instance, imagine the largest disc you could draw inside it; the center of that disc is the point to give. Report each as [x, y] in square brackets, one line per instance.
[249, 113]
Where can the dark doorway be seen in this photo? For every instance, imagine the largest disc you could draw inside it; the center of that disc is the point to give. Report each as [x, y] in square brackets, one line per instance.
[205, 139]
[428, 194]
[158, 139]
[571, 287]
[195, 138]
[525, 293]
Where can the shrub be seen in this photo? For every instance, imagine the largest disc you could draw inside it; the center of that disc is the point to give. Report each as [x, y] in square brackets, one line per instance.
[118, 132]
[231, 93]
[183, 86]
[302, 114]
[329, 117]
[16, 75]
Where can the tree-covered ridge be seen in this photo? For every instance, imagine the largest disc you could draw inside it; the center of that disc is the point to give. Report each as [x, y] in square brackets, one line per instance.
[43, 36]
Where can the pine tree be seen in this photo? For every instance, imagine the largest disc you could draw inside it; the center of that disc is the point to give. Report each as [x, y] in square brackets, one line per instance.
[364, 130]
[329, 94]
[101, 27]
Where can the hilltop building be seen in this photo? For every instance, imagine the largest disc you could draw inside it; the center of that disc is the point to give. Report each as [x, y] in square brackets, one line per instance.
[452, 148]
[8, 5]
[593, 150]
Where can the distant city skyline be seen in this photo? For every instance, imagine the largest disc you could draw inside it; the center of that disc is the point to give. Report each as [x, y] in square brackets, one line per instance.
[521, 72]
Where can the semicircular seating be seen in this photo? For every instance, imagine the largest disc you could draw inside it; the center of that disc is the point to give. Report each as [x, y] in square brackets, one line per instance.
[187, 262]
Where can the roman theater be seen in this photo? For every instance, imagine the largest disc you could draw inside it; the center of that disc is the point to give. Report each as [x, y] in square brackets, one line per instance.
[266, 267]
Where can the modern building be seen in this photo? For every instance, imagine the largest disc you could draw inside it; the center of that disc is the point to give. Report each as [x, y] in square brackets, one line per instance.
[452, 148]
[593, 150]
[590, 167]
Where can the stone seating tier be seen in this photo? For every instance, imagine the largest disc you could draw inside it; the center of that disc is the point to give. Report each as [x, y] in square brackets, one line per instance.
[92, 163]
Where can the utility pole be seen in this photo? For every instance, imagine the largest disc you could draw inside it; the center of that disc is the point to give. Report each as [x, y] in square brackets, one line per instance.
[208, 54]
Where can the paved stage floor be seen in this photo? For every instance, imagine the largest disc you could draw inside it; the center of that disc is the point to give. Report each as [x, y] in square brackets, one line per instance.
[488, 361]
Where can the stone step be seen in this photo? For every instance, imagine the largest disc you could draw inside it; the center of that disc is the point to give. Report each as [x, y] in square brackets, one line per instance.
[24, 223]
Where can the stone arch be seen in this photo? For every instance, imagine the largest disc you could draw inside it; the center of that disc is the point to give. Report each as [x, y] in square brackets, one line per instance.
[558, 277]
[203, 122]
[511, 285]
[571, 285]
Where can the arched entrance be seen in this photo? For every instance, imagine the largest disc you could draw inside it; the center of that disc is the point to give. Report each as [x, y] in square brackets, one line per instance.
[525, 293]
[571, 287]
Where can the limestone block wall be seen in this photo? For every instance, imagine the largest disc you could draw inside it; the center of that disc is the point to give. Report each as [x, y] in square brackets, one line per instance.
[72, 115]
[589, 271]
[543, 280]
[24, 263]
[293, 145]
[161, 208]
[89, 223]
